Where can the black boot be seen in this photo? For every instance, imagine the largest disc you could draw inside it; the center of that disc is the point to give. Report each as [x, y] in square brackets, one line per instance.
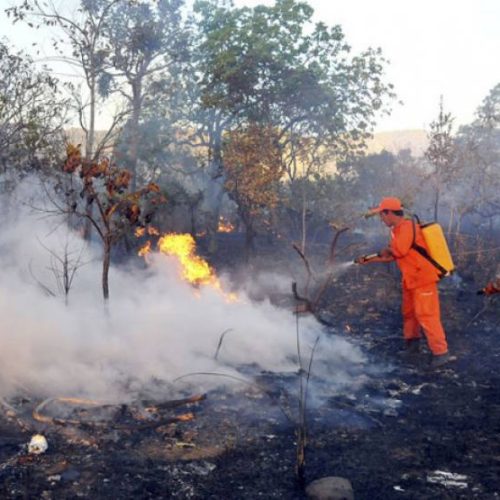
[412, 346]
[440, 360]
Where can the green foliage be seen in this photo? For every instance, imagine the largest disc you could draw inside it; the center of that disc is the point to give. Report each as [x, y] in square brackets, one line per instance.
[273, 65]
[31, 114]
[478, 159]
[441, 150]
[146, 43]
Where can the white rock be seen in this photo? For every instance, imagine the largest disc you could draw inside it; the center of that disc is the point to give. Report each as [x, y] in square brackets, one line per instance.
[37, 445]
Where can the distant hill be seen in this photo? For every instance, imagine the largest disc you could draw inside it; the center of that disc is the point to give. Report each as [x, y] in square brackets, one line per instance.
[393, 141]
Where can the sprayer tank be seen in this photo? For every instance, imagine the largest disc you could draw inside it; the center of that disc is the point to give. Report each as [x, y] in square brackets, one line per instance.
[436, 243]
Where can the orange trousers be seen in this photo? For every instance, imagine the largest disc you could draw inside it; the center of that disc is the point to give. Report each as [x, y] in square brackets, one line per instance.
[421, 312]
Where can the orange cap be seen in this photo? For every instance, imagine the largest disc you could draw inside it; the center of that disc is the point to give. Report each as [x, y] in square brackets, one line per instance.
[388, 204]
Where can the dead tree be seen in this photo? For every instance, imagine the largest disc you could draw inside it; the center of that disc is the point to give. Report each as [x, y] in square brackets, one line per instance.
[310, 301]
[63, 266]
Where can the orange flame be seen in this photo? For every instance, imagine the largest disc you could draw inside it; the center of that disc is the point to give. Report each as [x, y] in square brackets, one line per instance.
[185, 417]
[145, 249]
[195, 269]
[150, 230]
[224, 226]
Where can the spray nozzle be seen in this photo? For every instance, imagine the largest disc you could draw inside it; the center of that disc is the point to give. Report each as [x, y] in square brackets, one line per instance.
[365, 258]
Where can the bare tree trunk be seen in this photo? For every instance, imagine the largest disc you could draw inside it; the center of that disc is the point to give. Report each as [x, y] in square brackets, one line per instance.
[133, 150]
[436, 204]
[105, 268]
[249, 240]
[192, 220]
[89, 147]
[215, 191]
[89, 154]
[450, 223]
[213, 219]
[304, 222]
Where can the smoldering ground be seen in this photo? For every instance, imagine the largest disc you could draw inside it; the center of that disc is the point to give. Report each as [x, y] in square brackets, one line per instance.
[156, 327]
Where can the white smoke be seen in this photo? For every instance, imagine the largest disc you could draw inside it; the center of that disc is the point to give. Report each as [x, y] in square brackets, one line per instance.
[156, 328]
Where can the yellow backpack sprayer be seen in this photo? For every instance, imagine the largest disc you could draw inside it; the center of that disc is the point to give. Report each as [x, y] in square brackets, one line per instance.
[438, 252]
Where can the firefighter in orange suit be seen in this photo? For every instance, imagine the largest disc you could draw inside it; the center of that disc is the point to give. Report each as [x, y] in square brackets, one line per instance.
[420, 306]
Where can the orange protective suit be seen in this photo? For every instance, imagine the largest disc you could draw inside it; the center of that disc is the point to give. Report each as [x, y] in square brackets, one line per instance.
[420, 293]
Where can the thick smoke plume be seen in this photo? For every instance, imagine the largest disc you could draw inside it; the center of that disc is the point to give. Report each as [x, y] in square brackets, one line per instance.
[155, 329]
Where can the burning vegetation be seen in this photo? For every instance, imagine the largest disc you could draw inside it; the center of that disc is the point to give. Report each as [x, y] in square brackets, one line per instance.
[379, 428]
[193, 268]
[225, 226]
[238, 351]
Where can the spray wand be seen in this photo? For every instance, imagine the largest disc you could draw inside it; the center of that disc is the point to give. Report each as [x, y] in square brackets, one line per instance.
[366, 258]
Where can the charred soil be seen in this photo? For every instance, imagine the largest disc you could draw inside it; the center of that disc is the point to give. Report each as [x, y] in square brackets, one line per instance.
[407, 433]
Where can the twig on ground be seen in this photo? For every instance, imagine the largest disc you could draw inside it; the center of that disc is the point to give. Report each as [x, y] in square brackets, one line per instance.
[40, 417]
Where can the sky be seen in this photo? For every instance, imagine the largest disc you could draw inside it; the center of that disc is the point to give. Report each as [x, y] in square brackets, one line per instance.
[435, 48]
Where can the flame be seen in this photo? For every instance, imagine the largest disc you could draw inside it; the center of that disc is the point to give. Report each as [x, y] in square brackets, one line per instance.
[195, 269]
[141, 231]
[145, 249]
[186, 417]
[224, 226]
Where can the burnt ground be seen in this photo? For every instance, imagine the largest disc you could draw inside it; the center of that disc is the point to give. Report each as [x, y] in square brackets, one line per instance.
[394, 437]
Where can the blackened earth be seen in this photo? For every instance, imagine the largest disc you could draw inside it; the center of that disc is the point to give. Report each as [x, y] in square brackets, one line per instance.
[396, 437]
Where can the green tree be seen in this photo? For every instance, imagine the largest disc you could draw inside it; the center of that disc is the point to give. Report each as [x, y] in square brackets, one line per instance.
[79, 42]
[32, 112]
[274, 66]
[253, 170]
[146, 41]
[476, 188]
[441, 154]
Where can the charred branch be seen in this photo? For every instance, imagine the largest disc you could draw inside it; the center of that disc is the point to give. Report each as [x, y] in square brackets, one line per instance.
[40, 416]
[175, 403]
[308, 269]
[306, 305]
[312, 304]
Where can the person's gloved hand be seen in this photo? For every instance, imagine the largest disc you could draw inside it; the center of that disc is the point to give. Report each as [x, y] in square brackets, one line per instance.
[360, 260]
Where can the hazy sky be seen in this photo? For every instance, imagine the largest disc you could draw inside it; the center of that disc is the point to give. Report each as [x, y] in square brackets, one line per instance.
[435, 47]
